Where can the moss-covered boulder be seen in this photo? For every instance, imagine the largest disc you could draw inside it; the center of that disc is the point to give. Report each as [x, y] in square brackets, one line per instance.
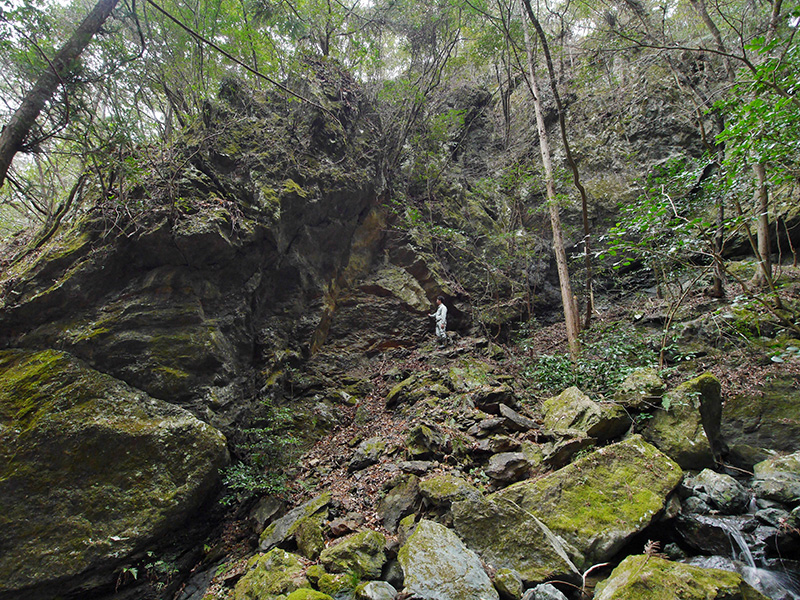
[687, 428]
[301, 526]
[308, 594]
[91, 471]
[574, 411]
[646, 577]
[362, 554]
[642, 390]
[444, 489]
[438, 566]
[768, 420]
[400, 501]
[583, 513]
[268, 576]
[778, 479]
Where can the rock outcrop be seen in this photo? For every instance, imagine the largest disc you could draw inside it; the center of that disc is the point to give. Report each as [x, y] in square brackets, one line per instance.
[91, 471]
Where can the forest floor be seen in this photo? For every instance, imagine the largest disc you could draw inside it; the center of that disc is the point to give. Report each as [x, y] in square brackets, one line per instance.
[742, 366]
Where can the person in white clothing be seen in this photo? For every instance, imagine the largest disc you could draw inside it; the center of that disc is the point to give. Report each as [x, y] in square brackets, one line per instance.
[441, 321]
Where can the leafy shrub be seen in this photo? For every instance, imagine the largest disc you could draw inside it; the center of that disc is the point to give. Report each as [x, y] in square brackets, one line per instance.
[609, 355]
[263, 451]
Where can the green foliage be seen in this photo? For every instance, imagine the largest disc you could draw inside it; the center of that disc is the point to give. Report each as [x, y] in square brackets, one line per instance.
[609, 355]
[762, 114]
[263, 453]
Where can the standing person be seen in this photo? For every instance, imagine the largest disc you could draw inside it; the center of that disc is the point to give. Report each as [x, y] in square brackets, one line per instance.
[441, 321]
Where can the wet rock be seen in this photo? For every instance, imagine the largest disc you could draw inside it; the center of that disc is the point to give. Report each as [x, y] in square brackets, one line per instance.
[271, 574]
[687, 429]
[640, 577]
[574, 410]
[715, 534]
[582, 511]
[363, 553]
[778, 479]
[92, 467]
[438, 566]
[722, 492]
[508, 467]
[401, 501]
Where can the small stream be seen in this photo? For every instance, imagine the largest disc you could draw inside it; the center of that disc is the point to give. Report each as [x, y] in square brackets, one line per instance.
[776, 583]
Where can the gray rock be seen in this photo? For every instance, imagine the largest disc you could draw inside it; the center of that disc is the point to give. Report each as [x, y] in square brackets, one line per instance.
[641, 391]
[515, 421]
[544, 591]
[508, 584]
[368, 453]
[416, 467]
[721, 491]
[778, 479]
[399, 502]
[287, 526]
[375, 590]
[646, 576]
[574, 410]
[437, 566]
[425, 441]
[99, 466]
[507, 467]
[583, 511]
[362, 554]
[687, 429]
[489, 399]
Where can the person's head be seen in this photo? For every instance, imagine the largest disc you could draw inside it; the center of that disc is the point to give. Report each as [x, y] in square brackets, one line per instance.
[440, 300]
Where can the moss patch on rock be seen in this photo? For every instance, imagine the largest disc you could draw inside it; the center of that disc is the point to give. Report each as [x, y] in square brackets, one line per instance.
[90, 469]
[651, 578]
[586, 511]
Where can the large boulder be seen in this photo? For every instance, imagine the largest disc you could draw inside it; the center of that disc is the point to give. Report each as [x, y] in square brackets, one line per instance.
[687, 429]
[572, 410]
[437, 566]
[572, 518]
[646, 577]
[293, 528]
[778, 479]
[768, 420]
[92, 471]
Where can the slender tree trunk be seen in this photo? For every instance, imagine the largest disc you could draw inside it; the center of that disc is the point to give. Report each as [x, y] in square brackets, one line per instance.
[571, 318]
[764, 273]
[576, 178]
[17, 129]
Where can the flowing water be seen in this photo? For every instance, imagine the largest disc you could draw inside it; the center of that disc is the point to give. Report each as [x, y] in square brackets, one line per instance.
[777, 585]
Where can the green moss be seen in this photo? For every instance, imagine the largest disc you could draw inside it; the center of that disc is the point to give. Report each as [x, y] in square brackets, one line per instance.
[308, 594]
[362, 554]
[269, 575]
[651, 578]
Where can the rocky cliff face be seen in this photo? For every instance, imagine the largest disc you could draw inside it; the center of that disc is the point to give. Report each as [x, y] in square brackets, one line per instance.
[269, 261]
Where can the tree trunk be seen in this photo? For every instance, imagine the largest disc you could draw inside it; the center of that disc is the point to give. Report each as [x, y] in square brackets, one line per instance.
[576, 178]
[17, 129]
[764, 273]
[571, 318]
